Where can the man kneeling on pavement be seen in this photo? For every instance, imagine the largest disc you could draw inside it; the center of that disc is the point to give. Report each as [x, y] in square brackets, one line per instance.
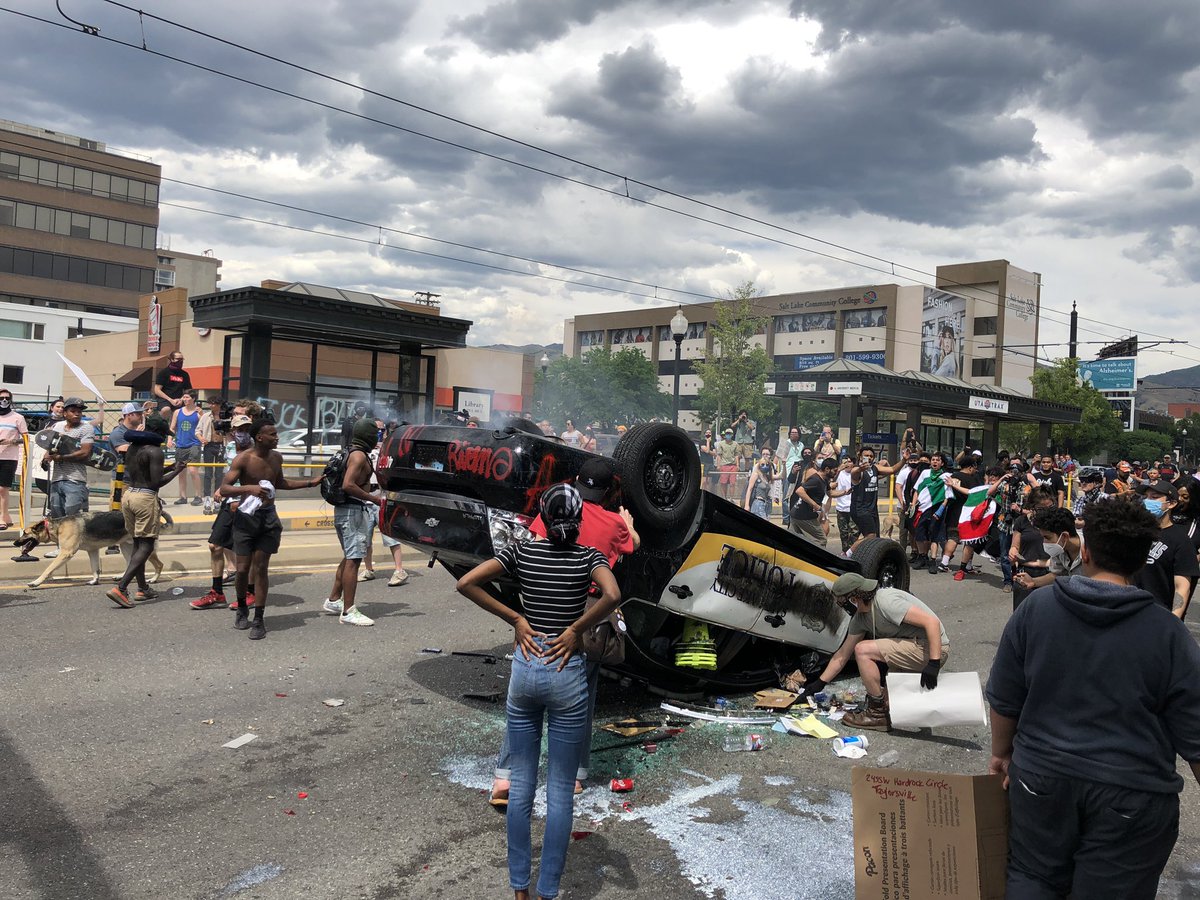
[889, 629]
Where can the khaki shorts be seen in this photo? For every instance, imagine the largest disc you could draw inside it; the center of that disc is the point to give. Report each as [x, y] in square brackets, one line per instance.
[141, 512]
[906, 655]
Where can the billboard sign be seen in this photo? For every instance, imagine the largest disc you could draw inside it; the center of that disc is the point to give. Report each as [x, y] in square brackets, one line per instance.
[845, 389]
[943, 327]
[1113, 374]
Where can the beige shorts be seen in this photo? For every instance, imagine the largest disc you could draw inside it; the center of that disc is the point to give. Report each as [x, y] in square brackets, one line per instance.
[906, 655]
[141, 511]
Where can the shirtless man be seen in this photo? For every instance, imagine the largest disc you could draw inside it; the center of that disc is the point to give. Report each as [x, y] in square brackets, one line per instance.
[258, 472]
[145, 474]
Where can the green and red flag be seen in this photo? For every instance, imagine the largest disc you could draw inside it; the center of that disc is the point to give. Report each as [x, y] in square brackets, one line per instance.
[976, 517]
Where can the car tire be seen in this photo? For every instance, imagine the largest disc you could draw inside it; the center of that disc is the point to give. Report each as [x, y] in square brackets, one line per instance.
[884, 561]
[660, 481]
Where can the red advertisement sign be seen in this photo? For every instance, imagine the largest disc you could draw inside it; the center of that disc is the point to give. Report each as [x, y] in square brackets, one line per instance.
[154, 327]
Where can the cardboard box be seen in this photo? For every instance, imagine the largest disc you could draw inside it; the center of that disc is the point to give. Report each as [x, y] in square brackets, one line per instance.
[925, 834]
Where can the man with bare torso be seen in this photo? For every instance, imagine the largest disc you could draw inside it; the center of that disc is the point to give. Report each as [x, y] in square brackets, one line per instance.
[256, 475]
[145, 474]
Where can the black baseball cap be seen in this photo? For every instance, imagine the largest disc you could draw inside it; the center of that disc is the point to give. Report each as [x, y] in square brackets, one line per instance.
[1165, 488]
[595, 478]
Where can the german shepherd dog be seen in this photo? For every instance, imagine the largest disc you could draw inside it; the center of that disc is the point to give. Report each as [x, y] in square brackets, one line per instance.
[92, 532]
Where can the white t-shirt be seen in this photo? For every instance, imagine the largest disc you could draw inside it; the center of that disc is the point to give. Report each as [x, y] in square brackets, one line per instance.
[572, 438]
[844, 483]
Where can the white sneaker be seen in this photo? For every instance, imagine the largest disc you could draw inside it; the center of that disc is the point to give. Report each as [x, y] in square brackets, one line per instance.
[366, 575]
[50, 554]
[397, 579]
[354, 617]
[333, 607]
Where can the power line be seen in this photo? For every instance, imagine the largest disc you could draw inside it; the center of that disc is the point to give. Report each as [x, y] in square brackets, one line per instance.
[940, 282]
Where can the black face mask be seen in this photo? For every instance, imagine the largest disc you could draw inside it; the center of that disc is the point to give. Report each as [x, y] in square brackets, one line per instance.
[5, 404]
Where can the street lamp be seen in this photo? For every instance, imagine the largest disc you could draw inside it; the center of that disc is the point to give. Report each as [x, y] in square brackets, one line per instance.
[1183, 450]
[545, 363]
[679, 324]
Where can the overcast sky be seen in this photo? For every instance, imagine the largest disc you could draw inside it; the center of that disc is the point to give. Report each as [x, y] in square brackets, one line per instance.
[1060, 136]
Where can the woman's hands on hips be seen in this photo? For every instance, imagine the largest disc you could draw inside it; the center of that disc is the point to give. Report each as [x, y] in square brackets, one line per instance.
[563, 647]
[523, 638]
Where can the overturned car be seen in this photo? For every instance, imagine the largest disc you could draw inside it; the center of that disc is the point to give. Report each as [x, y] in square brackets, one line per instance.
[715, 597]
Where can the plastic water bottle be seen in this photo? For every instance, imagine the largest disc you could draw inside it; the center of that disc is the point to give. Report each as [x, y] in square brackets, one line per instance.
[736, 743]
[887, 759]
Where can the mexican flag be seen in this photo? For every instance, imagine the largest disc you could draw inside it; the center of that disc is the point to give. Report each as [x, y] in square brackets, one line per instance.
[931, 490]
[976, 518]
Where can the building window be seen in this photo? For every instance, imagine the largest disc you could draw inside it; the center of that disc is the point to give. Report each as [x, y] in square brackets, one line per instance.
[15, 261]
[74, 224]
[73, 178]
[22, 331]
[13, 375]
[985, 325]
[983, 368]
[164, 277]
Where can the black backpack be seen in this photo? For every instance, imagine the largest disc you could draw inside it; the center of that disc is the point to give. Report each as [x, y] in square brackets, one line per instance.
[332, 478]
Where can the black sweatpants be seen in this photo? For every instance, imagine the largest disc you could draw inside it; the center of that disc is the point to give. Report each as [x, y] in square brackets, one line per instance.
[1086, 839]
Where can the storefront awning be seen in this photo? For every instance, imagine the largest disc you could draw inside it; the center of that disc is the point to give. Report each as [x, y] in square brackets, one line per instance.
[137, 378]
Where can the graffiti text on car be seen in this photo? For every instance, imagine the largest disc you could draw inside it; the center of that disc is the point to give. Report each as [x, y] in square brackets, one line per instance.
[758, 582]
[495, 463]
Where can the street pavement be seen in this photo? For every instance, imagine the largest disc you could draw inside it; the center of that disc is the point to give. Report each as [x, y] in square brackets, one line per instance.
[115, 784]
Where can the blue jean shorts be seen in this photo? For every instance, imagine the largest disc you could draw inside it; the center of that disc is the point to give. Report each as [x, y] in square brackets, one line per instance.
[355, 524]
[67, 498]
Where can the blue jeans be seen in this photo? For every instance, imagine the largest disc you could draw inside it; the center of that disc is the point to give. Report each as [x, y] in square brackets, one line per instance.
[504, 762]
[67, 498]
[1005, 565]
[537, 690]
[761, 508]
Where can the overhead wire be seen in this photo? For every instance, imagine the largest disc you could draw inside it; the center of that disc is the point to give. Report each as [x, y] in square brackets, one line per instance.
[940, 282]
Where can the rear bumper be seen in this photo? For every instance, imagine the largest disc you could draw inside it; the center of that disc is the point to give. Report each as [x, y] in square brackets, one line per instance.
[454, 527]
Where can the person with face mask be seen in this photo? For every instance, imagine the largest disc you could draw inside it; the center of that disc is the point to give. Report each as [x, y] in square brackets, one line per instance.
[13, 428]
[1061, 542]
[1171, 564]
[790, 451]
[1091, 489]
[932, 496]
[890, 631]
[171, 383]
[354, 522]
[1186, 513]
[758, 489]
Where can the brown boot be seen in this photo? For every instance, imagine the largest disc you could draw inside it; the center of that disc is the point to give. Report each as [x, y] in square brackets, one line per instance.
[874, 718]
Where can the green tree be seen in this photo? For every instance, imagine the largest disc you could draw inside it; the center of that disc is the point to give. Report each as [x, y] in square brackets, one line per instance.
[735, 380]
[620, 388]
[1098, 429]
[1141, 444]
[1188, 444]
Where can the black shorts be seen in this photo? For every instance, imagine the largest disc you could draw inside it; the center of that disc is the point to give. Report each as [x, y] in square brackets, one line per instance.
[261, 530]
[8, 469]
[222, 530]
[866, 522]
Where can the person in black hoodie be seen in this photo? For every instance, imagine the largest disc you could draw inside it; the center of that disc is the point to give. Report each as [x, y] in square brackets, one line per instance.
[1093, 693]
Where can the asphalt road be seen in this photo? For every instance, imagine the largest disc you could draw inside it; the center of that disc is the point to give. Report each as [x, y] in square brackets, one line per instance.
[115, 784]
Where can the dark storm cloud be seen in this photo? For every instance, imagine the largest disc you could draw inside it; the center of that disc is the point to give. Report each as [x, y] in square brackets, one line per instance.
[1118, 67]
[908, 128]
[115, 90]
[519, 26]
[1172, 178]
[638, 78]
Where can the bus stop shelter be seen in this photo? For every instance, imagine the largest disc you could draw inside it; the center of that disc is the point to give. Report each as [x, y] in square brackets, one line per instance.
[863, 390]
[314, 352]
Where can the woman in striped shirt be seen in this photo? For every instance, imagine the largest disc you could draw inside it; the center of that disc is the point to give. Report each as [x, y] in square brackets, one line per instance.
[548, 676]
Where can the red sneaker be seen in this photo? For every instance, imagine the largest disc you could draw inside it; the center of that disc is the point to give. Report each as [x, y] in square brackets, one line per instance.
[960, 575]
[119, 597]
[209, 600]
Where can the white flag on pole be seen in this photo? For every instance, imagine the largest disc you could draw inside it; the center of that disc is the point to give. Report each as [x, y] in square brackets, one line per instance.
[82, 376]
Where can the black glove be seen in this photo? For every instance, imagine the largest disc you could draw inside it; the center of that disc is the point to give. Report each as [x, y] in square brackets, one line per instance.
[813, 686]
[929, 674]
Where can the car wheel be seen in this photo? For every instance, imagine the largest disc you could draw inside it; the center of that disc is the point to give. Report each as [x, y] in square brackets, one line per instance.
[884, 561]
[660, 481]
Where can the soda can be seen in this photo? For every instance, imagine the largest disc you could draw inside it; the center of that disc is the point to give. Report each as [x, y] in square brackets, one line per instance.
[621, 785]
[853, 740]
